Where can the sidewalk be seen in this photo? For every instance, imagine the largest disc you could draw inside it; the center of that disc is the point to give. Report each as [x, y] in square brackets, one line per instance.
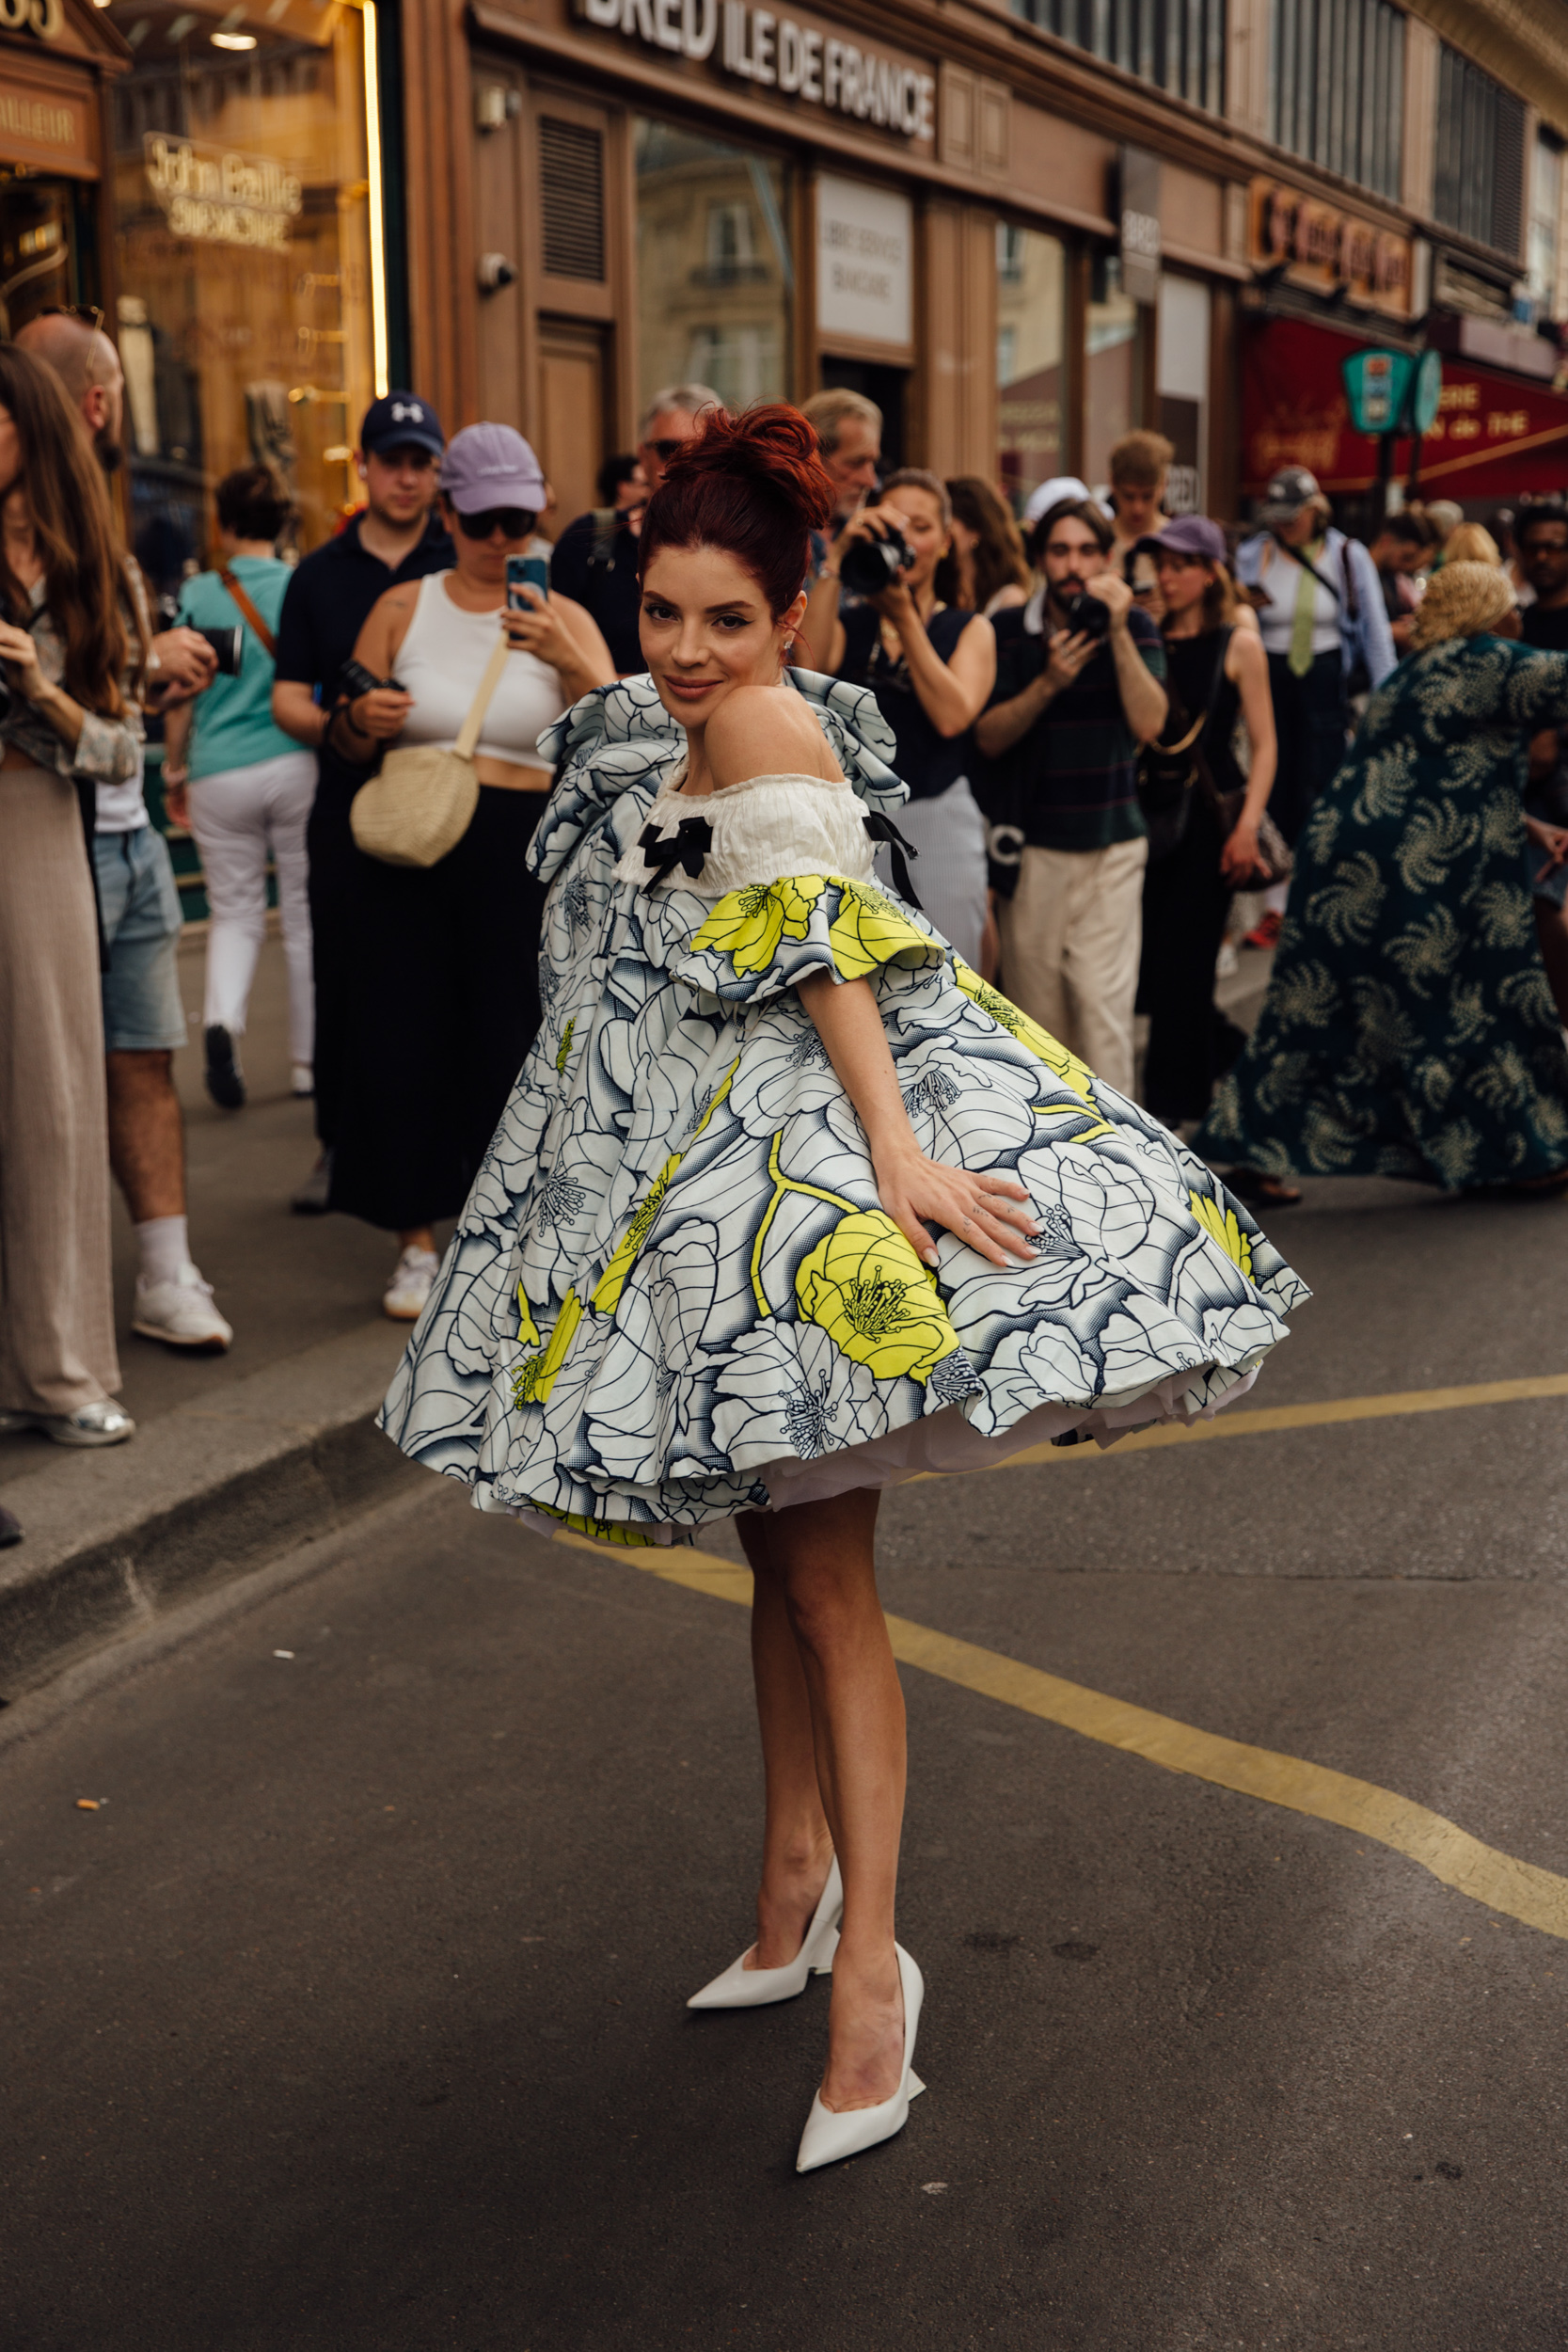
[235, 1456]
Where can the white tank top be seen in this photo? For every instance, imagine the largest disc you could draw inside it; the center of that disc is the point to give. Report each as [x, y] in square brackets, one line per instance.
[441, 661]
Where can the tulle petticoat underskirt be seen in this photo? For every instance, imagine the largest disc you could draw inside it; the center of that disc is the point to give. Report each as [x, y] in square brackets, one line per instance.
[946, 1445]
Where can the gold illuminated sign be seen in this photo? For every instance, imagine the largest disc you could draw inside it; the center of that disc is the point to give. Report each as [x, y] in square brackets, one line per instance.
[46, 18]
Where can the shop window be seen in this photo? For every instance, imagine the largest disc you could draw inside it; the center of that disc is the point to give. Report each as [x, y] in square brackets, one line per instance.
[1111, 369]
[1030, 289]
[243, 208]
[1337, 87]
[1177, 44]
[715, 273]
[1546, 217]
[45, 245]
[1183, 386]
[1478, 186]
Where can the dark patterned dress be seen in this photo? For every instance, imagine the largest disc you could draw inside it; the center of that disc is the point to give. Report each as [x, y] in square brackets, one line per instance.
[1408, 1028]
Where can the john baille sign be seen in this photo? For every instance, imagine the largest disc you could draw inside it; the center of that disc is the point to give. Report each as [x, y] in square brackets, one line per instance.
[791, 53]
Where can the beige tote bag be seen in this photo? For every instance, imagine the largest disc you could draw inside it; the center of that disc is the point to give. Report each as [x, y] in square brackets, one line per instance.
[424, 800]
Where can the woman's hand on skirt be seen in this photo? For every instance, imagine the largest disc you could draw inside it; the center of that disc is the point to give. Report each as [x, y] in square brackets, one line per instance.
[991, 1212]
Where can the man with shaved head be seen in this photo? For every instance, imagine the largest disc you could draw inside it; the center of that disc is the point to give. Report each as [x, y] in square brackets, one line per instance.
[139, 907]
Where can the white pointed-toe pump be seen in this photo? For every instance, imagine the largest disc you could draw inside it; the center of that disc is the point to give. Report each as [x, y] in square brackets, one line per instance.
[828, 2137]
[740, 1986]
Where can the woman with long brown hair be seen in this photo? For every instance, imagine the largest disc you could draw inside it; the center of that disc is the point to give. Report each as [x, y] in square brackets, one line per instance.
[1215, 671]
[70, 649]
[985, 569]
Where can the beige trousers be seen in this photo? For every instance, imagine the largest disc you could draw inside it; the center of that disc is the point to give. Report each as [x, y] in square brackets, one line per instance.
[57, 1306]
[1071, 935]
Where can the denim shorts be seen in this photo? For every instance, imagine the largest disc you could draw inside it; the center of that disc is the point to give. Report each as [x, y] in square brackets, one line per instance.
[140, 906]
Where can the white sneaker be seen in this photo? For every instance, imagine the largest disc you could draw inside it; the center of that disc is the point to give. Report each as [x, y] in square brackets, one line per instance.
[405, 1294]
[302, 1081]
[103, 1422]
[182, 1314]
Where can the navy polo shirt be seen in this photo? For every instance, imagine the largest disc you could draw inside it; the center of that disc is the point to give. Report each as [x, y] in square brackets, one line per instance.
[331, 595]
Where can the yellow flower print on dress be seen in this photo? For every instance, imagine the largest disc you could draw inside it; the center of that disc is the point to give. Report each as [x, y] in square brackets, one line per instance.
[1074, 1075]
[1222, 1225]
[868, 931]
[865, 1286]
[534, 1378]
[747, 925]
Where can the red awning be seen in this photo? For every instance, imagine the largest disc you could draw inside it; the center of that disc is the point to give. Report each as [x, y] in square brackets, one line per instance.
[1497, 437]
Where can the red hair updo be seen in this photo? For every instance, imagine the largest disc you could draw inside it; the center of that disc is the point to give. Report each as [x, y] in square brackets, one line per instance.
[754, 486]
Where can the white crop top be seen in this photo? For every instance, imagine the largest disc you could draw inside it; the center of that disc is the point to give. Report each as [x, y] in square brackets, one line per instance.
[441, 661]
[764, 829]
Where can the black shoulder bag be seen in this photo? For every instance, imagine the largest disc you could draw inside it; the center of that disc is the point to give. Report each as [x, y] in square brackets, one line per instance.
[1168, 774]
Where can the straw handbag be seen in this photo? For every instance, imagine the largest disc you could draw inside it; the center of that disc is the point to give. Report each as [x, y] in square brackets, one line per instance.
[423, 799]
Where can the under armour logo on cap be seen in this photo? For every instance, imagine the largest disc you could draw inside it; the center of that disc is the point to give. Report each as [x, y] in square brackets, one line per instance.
[401, 420]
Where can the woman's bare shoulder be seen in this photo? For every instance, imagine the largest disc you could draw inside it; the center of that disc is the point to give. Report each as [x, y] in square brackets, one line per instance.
[766, 731]
[386, 622]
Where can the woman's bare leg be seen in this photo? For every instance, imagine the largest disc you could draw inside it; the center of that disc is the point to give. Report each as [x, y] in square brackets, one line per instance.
[815, 1575]
[798, 1845]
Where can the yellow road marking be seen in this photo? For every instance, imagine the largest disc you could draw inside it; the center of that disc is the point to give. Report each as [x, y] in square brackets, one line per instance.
[1520, 1890]
[1257, 1422]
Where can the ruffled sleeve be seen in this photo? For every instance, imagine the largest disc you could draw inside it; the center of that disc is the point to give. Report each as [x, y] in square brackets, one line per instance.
[768, 937]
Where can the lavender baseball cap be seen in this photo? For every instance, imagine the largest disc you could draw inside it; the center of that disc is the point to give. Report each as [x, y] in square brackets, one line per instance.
[1188, 534]
[489, 466]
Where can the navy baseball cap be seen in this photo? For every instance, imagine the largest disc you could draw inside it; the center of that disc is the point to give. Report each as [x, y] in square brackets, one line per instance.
[402, 421]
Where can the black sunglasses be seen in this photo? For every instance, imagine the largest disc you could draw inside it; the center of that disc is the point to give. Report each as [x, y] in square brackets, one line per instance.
[512, 522]
[664, 450]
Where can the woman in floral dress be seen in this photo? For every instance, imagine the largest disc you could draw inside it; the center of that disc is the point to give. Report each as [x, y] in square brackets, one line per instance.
[1408, 1028]
[788, 1205]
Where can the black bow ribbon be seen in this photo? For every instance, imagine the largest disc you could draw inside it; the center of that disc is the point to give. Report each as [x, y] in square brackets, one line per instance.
[687, 846]
[882, 829]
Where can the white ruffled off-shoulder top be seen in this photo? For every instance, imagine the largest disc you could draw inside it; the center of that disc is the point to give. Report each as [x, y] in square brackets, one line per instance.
[745, 833]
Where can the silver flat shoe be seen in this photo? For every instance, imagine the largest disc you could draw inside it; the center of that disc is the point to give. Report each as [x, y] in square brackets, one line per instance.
[103, 1422]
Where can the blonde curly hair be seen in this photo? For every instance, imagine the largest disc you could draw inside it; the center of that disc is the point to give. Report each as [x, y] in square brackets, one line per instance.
[1462, 600]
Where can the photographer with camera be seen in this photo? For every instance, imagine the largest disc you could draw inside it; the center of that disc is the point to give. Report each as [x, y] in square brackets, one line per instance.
[1080, 687]
[240, 784]
[931, 667]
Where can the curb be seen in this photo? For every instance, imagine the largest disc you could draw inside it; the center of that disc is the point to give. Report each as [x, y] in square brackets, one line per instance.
[115, 1538]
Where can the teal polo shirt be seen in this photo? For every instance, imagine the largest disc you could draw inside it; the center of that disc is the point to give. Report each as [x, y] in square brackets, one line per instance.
[231, 724]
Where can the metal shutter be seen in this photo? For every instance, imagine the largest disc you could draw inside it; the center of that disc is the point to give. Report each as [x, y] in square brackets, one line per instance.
[571, 191]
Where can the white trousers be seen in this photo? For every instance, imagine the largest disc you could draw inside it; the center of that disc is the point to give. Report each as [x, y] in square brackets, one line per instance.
[1071, 935]
[237, 816]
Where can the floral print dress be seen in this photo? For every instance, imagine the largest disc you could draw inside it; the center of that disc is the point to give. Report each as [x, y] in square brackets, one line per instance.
[674, 1294]
[1409, 1030]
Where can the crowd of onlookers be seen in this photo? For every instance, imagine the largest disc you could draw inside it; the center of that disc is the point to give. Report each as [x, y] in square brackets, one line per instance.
[1116, 726]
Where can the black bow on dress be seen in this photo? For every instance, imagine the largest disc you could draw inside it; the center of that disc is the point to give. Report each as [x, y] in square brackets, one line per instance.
[879, 828]
[687, 846]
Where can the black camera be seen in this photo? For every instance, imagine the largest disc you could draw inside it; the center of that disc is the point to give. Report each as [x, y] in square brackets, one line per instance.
[354, 679]
[228, 646]
[1083, 614]
[869, 565]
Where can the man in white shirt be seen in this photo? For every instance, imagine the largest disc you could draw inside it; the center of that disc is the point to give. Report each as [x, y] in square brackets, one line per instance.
[1325, 630]
[144, 1022]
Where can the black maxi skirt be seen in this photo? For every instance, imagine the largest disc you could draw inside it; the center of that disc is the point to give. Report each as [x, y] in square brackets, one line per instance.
[442, 1007]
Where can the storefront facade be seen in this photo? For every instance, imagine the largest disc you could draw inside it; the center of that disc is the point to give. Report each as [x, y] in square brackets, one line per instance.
[207, 178]
[626, 193]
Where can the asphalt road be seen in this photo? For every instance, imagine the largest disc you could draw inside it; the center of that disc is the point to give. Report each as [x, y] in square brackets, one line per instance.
[352, 2020]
